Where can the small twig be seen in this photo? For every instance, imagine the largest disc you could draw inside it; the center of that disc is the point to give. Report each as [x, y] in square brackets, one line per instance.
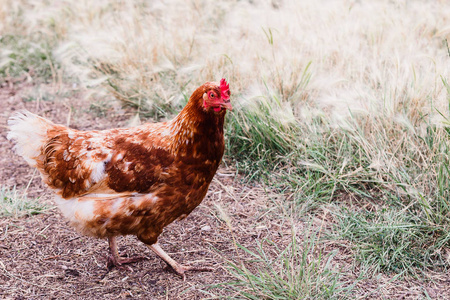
[74, 238]
[321, 225]
[52, 257]
[69, 115]
[29, 182]
[225, 175]
[42, 231]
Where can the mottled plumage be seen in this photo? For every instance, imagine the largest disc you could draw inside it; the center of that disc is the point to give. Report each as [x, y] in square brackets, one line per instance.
[134, 180]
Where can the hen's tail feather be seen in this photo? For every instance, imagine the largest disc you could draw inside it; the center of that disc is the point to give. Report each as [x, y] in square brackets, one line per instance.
[28, 131]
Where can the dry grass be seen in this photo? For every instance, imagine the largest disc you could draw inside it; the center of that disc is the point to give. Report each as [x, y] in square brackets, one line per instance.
[370, 57]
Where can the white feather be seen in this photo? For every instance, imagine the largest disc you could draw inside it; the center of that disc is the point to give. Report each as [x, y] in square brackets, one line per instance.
[98, 169]
[74, 210]
[28, 131]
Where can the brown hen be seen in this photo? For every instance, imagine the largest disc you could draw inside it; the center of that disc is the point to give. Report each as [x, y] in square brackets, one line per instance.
[134, 180]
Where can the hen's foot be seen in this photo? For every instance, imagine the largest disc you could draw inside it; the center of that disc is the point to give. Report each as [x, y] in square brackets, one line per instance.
[114, 260]
[119, 262]
[179, 269]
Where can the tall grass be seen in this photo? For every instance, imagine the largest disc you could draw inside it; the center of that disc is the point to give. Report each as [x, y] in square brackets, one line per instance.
[400, 166]
[298, 271]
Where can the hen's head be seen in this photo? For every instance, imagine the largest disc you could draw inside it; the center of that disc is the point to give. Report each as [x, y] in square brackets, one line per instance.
[214, 97]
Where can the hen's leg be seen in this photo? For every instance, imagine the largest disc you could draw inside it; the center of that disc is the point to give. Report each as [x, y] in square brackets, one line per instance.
[114, 260]
[179, 269]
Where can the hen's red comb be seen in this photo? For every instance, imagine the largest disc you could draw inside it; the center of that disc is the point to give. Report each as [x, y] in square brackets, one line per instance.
[224, 89]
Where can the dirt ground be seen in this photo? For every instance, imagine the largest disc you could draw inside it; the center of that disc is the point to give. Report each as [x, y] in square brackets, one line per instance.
[42, 257]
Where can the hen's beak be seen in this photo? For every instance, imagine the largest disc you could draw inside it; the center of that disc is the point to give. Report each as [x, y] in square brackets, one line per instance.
[226, 104]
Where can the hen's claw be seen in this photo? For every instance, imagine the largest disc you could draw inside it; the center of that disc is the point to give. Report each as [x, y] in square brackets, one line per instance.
[181, 270]
[114, 260]
[176, 267]
[120, 262]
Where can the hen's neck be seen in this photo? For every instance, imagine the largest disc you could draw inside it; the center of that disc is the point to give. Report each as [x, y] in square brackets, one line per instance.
[192, 128]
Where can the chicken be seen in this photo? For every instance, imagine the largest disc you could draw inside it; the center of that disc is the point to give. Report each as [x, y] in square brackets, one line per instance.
[129, 181]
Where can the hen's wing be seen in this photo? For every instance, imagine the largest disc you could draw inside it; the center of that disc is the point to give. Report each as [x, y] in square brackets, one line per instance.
[77, 163]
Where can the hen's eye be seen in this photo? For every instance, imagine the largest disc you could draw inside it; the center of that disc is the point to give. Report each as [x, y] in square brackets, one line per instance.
[211, 95]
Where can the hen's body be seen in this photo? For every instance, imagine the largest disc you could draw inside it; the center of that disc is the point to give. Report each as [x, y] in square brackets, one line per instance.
[126, 181]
